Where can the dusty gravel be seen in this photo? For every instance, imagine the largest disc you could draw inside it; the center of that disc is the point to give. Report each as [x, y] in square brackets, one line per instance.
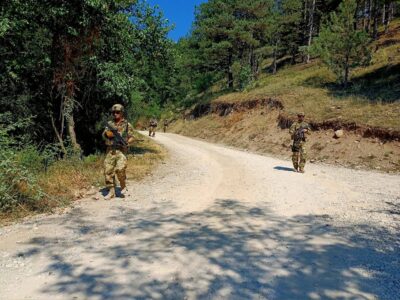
[216, 223]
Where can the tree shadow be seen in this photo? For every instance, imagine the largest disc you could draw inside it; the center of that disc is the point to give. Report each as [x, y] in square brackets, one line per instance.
[141, 150]
[232, 250]
[380, 85]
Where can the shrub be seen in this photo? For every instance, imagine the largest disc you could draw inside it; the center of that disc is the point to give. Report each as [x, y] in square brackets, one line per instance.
[18, 185]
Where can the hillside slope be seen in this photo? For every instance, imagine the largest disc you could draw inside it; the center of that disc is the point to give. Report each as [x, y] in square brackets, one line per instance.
[369, 111]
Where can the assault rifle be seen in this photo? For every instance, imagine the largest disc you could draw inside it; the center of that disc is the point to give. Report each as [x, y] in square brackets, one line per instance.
[118, 140]
[298, 137]
[299, 134]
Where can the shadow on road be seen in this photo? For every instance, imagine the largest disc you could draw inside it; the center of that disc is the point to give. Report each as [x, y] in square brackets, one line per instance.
[231, 250]
[279, 168]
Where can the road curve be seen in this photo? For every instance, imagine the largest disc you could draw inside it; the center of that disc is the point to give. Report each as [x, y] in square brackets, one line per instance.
[216, 223]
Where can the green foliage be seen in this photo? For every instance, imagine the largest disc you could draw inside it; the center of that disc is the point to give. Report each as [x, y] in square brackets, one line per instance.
[225, 31]
[67, 62]
[340, 45]
[18, 184]
[203, 82]
[242, 74]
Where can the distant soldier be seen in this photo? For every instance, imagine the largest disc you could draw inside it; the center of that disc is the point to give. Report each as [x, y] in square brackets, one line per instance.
[118, 135]
[166, 125]
[152, 127]
[298, 132]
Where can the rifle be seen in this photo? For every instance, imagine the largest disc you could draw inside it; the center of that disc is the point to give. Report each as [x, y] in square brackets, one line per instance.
[118, 140]
[298, 137]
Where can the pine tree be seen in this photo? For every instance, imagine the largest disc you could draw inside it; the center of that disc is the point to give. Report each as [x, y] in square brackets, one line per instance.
[340, 45]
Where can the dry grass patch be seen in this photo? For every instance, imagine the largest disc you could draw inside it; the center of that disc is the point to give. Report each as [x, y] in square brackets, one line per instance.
[143, 158]
[67, 180]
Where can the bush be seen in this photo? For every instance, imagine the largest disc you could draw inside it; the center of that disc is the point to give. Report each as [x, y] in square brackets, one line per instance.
[31, 159]
[18, 185]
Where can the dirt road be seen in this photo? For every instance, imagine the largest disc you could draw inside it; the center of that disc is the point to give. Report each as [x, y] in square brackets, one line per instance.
[216, 223]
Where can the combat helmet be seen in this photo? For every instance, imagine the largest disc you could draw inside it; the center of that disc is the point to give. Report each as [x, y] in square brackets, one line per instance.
[117, 107]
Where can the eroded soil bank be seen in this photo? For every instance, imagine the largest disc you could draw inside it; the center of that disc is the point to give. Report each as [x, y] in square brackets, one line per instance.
[262, 126]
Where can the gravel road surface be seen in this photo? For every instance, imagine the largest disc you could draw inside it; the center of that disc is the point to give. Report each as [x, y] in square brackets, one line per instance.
[216, 223]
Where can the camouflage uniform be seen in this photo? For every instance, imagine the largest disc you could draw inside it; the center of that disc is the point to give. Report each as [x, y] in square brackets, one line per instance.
[299, 155]
[115, 162]
[165, 125]
[152, 127]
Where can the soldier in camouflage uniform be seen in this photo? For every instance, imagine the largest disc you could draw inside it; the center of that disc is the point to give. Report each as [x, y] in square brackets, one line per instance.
[166, 123]
[298, 132]
[115, 163]
[152, 127]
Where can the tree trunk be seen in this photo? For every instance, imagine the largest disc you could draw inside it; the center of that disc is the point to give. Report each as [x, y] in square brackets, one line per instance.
[230, 73]
[59, 137]
[365, 14]
[376, 17]
[390, 12]
[305, 15]
[69, 114]
[384, 14]
[72, 134]
[274, 64]
[305, 12]
[311, 29]
[369, 20]
[252, 63]
[346, 72]
[356, 15]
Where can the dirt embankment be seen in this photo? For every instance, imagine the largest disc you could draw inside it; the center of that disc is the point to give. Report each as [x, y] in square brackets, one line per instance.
[383, 134]
[260, 125]
[223, 108]
[284, 120]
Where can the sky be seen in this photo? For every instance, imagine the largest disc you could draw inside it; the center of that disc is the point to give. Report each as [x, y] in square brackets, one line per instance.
[178, 12]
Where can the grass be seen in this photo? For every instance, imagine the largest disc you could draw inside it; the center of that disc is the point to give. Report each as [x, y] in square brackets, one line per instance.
[64, 180]
[373, 99]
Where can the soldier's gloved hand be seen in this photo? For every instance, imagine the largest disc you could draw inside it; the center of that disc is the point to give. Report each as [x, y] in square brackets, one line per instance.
[109, 134]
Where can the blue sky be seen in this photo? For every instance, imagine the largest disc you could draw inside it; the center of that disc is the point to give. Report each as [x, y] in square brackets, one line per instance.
[178, 12]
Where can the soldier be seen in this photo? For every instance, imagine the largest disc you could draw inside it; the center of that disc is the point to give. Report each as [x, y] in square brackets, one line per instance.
[298, 132]
[118, 135]
[165, 125]
[152, 127]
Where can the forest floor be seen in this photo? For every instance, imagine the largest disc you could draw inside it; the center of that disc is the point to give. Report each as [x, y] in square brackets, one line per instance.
[216, 223]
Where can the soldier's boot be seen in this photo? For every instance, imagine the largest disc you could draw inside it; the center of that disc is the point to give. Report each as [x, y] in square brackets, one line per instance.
[111, 194]
[122, 182]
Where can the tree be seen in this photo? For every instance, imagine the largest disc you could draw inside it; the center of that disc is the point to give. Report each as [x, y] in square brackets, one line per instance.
[65, 62]
[229, 31]
[340, 45]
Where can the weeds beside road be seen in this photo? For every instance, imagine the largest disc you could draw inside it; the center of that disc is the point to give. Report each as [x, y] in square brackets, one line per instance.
[34, 184]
